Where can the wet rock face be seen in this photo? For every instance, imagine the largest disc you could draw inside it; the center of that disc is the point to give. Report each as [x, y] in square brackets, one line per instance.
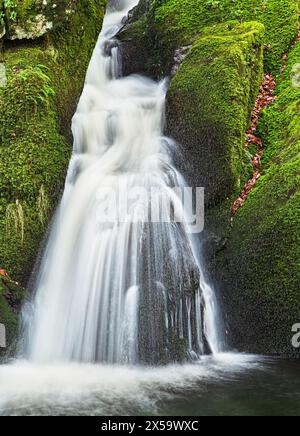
[171, 325]
[33, 18]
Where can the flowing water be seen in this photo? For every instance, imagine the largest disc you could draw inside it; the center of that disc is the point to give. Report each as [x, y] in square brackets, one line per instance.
[114, 295]
[121, 288]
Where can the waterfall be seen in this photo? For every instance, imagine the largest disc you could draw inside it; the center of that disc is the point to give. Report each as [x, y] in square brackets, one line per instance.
[120, 291]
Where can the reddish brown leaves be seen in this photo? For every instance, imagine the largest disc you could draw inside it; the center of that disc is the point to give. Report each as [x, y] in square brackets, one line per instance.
[265, 98]
[3, 273]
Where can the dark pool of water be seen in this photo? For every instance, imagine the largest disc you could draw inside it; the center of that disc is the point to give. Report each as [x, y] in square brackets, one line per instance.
[272, 391]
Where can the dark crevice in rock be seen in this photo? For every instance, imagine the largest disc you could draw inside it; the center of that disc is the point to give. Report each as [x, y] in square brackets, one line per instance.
[25, 43]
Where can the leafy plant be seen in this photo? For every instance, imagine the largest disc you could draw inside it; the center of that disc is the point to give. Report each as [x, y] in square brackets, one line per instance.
[2, 16]
[11, 6]
[36, 76]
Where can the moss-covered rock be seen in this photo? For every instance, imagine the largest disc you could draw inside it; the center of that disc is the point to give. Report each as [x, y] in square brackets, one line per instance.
[258, 269]
[209, 105]
[30, 19]
[171, 24]
[11, 295]
[44, 81]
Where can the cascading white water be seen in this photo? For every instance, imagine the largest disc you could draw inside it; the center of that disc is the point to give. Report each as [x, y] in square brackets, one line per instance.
[120, 292]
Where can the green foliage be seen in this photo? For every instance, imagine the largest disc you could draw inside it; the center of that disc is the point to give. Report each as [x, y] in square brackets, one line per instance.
[2, 19]
[11, 9]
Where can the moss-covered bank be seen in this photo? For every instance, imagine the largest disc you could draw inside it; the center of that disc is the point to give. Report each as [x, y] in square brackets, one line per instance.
[41, 82]
[209, 105]
[169, 25]
[259, 268]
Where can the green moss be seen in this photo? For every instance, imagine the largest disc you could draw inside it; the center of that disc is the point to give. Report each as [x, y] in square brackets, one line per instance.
[181, 21]
[209, 105]
[279, 125]
[264, 243]
[171, 24]
[33, 18]
[44, 83]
